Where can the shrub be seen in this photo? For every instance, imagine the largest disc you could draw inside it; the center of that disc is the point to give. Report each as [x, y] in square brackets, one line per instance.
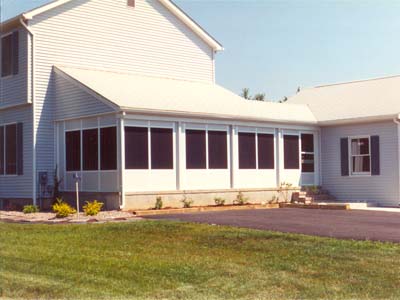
[62, 209]
[283, 191]
[219, 201]
[187, 202]
[159, 203]
[30, 209]
[92, 208]
[240, 199]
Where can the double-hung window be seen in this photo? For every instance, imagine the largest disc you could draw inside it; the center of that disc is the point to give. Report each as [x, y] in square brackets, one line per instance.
[11, 146]
[360, 156]
[10, 54]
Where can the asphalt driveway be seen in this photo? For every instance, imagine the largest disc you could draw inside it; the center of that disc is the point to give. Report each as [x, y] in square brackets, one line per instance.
[351, 224]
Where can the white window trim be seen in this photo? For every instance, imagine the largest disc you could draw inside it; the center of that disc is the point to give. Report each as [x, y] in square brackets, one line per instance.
[359, 174]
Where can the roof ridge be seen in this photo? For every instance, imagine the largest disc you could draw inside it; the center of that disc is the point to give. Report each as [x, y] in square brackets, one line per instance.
[356, 81]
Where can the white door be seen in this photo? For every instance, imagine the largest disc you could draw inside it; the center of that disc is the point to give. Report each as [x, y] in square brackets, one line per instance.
[291, 172]
[307, 163]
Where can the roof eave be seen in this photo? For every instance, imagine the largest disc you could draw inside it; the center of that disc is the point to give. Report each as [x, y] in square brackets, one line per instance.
[211, 116]
[367, 119]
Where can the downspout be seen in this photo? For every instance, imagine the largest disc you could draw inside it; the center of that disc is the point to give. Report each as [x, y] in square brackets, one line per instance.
[397, 121]
[33, 95]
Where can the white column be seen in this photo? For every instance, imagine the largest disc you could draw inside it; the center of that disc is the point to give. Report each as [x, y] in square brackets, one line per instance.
[234, 154]
[180, 156]
[279, 157]
[121, 158]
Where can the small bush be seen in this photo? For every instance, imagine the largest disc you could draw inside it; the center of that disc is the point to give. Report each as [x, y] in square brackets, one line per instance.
[219, 201]
[240, 199]
[187, 202]
[92, 208]
[159, 203]
[62, 209]
[30, 209]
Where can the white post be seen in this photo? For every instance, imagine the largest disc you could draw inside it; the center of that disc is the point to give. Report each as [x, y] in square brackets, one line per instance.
[77, 177]
[121, 154]
[181, 157]
[77, 197]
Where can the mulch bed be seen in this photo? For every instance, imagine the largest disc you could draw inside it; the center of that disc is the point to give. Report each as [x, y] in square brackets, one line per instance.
[50, 218]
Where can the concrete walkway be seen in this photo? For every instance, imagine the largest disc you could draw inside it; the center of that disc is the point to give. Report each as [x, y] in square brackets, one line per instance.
[350, 224]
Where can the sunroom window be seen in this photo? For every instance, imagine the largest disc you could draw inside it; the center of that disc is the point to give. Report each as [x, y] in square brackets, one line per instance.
[360, 156]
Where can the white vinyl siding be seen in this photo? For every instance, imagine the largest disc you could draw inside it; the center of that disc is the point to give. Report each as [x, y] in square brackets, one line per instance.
[72, 102]
[108, 35]
[20, 186]
[383, 189]
[14, 88]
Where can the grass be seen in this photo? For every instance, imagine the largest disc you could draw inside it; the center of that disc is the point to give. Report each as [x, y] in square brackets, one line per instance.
[168, 260]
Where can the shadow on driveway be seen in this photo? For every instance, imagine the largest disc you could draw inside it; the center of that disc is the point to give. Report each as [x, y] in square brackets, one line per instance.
[351, 224]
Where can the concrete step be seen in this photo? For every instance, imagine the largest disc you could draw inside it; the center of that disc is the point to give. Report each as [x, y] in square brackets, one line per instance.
[305, 200]
[324, 197]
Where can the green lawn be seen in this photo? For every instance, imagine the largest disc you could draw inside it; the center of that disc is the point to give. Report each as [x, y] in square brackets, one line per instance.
[168, 260]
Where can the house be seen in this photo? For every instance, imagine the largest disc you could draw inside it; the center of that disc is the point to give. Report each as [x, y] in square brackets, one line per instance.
[121, 94]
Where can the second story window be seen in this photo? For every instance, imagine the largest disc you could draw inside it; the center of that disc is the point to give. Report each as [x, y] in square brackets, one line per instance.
[9, 54]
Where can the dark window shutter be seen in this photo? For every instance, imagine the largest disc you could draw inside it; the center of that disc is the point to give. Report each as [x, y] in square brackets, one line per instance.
[20, 149]
[344, 156]
[15, 52]
[375, 156]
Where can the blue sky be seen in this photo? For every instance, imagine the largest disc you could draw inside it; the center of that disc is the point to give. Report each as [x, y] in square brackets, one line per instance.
[276, 46]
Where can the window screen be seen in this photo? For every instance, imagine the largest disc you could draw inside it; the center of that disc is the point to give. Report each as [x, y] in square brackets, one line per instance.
[162, 156]
[266, 157]
[90, 146]
[291, 152]
[196, 149]
[247, 150]
[73, 150]
[217, 150]
[108, 148]
[136, 148]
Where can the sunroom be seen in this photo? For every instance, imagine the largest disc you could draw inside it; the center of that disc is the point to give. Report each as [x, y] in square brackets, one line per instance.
[171, 137]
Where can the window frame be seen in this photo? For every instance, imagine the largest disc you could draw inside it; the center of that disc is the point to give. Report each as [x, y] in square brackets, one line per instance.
[298, 135]
[206, 128]
[4, 174]
[81, 129]
[257, 131]
[11, 54]
[149, 125]
[359, 174]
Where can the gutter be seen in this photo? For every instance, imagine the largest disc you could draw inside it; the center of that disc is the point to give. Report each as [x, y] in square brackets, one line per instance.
[33, 95]
[213, 116]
